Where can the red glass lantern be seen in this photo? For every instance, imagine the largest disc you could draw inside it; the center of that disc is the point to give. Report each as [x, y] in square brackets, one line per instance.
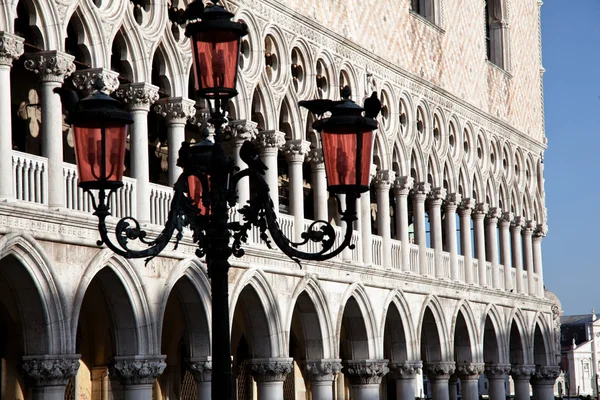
[100, 129]
[215, 50]
[195, 193]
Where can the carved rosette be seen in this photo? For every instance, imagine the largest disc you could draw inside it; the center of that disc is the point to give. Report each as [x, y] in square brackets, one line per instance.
[497, 371]
[321, 370]
[480, 210]
[138, 371]
[493, 215]
[239, 131]
[405, 370]
[545, 374]
[470, 371]
[296, 150]
[440, 370]
[315, 158]
[403, 185]
[175, 109]
[202, 370]
[466, 206]
[270, 369]
[522, 372]
[87, 80]
[51, 370]
[11, 48]
[437, 196]
[269, 142]
[51, 66]
[420, 190]
[506, 219]
[384, 180]
[138, 96]
[366, 372]
[452, 201]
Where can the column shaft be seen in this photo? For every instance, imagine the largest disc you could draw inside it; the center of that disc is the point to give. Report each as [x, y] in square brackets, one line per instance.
[479, 228]
[402, 187]
[269, 375]
[539, 233]
[517, 255]
[235, 134]
[383, 183]
[439, 374]
[522, 389]
[470, 389]
[203, 389]
[491, 222]
[496, 374]
[466, 248]
[319, 185]
[452, 202]
[505, 244]
[436, 197]
[419, 195]
[175, 136]
[295, 151]
[527, 233]
[137, 392]
[269, 143]
[366, 234]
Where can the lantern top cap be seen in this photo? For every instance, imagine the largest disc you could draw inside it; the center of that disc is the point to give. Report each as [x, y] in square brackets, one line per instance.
[100, 109]
[210, 18]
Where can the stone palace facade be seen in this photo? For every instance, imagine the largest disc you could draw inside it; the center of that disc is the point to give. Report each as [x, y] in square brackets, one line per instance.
[443, 296]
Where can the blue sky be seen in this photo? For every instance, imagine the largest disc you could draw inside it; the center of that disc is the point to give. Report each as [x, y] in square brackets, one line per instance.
[571, 56]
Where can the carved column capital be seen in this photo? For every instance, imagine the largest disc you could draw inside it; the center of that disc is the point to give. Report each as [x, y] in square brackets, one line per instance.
[405, 370]
[296, 150]
[529, 227]
[138, 96]
[470, 371]
[506, 219]
[50, 66]
[384, 179]
[315, 158]
[202, 370]
[403, 185]
[420, 191]
[365, 372]
[467, 206]
[493, 215]
[11, 48]
[440, 370]
[437, 196]
[480, 210]
[270, 369]
[517, 224]
[321, 370]
[546, 373]
[540, 231]
[51, 370]
[138, 370]
[239, 131]
[87, 80]
[522, 372]
[453, 201]
[175, 110]
[269, 142]
[497, 371]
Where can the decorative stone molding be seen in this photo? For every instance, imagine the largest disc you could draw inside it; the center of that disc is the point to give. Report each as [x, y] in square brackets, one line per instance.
[546, 373]
[453, 201]
[87, 80]
[138, 96]
[522, 372]
[440, 370]
[541, 230]
[270, 369]
[239, 131]
[437, 196]
[384, 179]
[529, 227]
[202, 370]
[269, 141]
[51, 370]
[138, 370]
[467, 206]
[295, 150]
[470, 371]
[50, 66]
[365, 372]
[493, 215]
[517, 223]
[480, 210]
[315, 158]
[321, 370]
[175, 109]
[497, 371]
[405, 370]
[420, 190]
[506, 219]
[403, 185]
[11, 48]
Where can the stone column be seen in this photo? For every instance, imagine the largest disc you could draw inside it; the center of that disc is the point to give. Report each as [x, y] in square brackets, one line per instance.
[496, 374]
[469, 379]
[521, 375]
[402, 187]
[542, 382]
[295, 151]
[479, 213]
[269, 374]
[52, 67]
[505, 259]
[466, 208]
[176, 111]
[268, 144]
[383, 183]
[404, 374]
[436, 197]
[439, 373]
[87, 81]
[11, 48]
[453, 387]
[321, 374]
[451, 204]
[365, 377]
[139, 97]
[202, 371]
[49, 374]
[517, 256]
[419, 194]
[539, 233]
[527, 234]
[234, 135]
[364, 227]
[137, 375]
[491, 224]
[319, 184]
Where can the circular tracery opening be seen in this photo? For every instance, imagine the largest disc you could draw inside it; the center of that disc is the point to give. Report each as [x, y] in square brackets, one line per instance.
[245, 52]
[385, 110]
[322, 80]
[297, 70]
[272, 64]
[420, 122]
[437, 131]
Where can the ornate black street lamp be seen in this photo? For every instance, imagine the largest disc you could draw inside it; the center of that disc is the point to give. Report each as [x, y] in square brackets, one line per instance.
[206, 189]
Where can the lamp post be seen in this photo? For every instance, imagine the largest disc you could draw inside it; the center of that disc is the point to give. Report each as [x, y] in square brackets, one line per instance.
[206, 188]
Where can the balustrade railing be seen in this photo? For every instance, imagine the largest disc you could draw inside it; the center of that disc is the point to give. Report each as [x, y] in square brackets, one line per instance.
[376, 248]
[160, 203]
[30, 177]
[475, 269]
[430, 256]
[396, 254]
[488, 273]
[461, 269]
[414, 258]
[446, 265]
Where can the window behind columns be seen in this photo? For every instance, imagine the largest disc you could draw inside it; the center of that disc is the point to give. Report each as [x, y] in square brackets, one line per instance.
[158, 149]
